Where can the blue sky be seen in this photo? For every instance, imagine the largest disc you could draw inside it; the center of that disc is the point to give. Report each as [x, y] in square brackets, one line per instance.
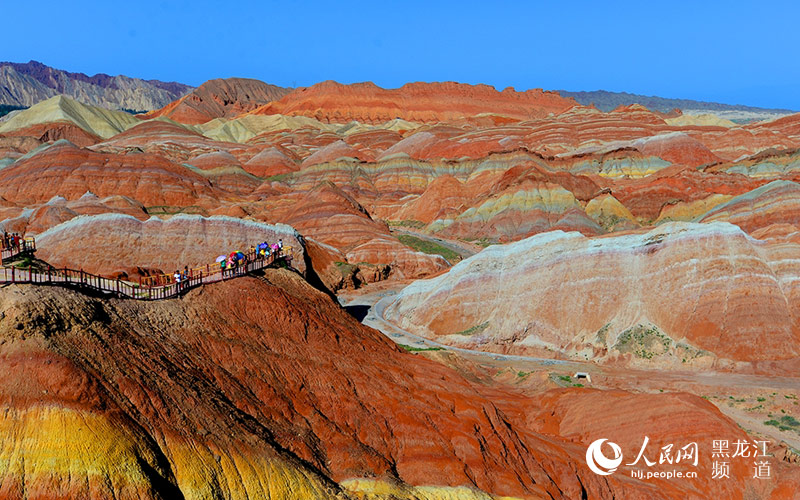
[733, 52]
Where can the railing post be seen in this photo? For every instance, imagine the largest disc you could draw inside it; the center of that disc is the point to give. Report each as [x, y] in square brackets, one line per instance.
[30, 274]
[13, 278]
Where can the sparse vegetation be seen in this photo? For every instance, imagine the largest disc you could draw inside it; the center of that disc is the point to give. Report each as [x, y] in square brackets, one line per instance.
[429, 247]
[172, 210]
[345, 268]
[24, 262]
[474, 330]
[688, 353]
[420, 349]
[602, 334]
[608, 221]
[785, 423]
[655, 239]
[415, 224]
[278, 177]
[644, 341]
[481, 242]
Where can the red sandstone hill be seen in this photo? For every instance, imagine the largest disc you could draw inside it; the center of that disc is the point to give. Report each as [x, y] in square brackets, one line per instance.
[333, 102]
[54, 131]
[220, 98]
[66, 170]
[210, 397]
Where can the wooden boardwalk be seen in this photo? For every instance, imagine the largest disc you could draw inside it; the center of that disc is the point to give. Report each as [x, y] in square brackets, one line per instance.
[149, 289]
[26, 246]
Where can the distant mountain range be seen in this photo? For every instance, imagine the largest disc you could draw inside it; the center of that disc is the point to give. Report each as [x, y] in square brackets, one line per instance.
[606, 101]
[25, 84]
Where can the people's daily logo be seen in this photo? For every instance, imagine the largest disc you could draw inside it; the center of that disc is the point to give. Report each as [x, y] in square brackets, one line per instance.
[674, 461]
[597, 460]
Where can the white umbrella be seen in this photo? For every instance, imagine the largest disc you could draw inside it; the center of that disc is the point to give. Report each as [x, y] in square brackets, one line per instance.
[221, 258]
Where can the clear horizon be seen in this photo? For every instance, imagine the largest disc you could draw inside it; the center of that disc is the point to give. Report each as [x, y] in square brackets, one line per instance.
[718, 52]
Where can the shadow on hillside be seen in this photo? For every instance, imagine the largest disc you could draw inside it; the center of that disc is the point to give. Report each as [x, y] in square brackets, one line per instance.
[358, 312]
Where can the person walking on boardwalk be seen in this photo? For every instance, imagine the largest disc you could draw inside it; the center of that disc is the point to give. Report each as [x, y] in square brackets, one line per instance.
[177, 277]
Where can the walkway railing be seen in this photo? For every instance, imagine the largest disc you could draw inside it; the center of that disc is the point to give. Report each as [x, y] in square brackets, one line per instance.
[126, 289]
[28, 245]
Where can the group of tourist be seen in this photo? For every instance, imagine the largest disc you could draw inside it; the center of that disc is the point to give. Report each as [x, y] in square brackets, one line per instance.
[12, 241]
[235, 263]
[182, 279]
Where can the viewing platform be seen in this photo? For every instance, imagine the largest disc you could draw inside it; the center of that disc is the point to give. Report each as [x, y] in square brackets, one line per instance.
[148, 288]
[11, 252]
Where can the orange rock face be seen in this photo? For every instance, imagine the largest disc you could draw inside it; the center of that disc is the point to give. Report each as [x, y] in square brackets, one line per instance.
[669, 419]
[647, 197]
[59, 210]
[773, 203]
[271, 161]
[65, 170]
[408, 263]
[50, 132]
[329, 215]
[332, 102]
[220, 98]
[333, 218]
